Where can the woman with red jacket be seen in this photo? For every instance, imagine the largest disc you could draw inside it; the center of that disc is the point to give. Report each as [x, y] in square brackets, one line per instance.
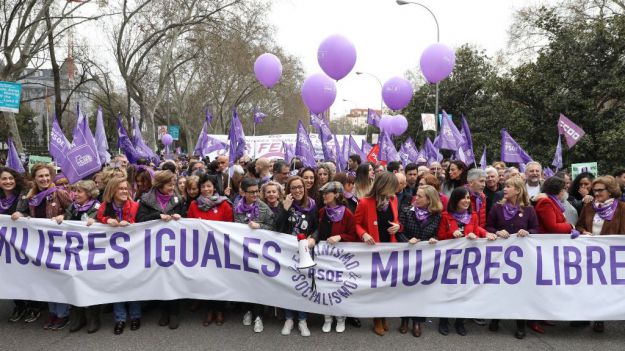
[550, 209]
[118, 210]
[377, 221]
[459, 221]
[336, 223]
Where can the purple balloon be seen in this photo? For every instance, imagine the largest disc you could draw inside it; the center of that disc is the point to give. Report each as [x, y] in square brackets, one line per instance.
[318, 93]
[397, 93]
[167, 139]
[268, 69]
[399, 125]
[336, 56]
[385, 124]
[437, 62]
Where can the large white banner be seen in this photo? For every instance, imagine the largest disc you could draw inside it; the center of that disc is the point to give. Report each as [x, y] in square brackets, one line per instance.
[549, 277]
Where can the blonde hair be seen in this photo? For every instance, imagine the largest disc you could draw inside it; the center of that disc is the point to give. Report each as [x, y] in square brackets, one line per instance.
[385, 184]
[33, 172]
[435, 206]
[610, 185]
[518, 183]
[111, 188]
[272, 183]
[163, 177]
[89, 187]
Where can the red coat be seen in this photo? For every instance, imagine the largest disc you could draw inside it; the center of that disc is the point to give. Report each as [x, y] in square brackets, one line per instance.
[129, 212]
[449, 225]
[346, 227]
[481, 214]
[444, 201]
[367, 218]
[550, 218]
[223, 214]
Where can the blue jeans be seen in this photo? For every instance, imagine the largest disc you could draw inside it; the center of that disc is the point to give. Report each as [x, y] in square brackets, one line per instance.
[119, 310]
[301, 316]
[60, 310]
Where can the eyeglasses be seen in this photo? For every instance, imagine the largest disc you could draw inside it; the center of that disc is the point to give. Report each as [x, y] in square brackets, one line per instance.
[297, 187]
[598, 190]
[253, 192]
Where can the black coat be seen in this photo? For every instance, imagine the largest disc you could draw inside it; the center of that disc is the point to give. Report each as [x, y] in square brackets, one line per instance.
[412, 228]
[306, 222]
[150, 209]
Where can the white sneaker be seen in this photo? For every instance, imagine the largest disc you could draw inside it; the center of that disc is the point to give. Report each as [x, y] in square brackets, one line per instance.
[327, 324]
[340, 324]
[247, 318]
[258, 325]
[303, 328]
[288, 326]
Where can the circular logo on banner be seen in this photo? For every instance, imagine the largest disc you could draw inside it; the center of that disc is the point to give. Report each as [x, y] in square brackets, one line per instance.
[331, 282]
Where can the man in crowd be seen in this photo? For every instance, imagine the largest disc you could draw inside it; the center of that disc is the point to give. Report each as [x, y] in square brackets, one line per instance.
[121, 161]
[620, 179]
[533, 172]
[403, 199]
[437, 170]
[353, 162]
[222, 174]
[280, 172]
[411, 179]
[395, 167]
[493, 191]
[476, 182]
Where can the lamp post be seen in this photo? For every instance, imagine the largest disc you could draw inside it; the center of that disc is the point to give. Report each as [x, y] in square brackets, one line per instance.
[368, 137]
[438, 33]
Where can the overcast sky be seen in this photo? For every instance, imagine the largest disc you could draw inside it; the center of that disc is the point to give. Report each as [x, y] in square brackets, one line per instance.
[389, 38]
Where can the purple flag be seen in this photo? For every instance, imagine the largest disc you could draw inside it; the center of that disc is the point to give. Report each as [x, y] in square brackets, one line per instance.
[365, 147]
[328, 152]
[82, 158]
[258, 116]
[288, 152]
[450, 137]
[201, 140]
[572, 132]
[483, 163]
[13, 159]
[100, 138]
[403, 155]
[468, 146]
[387, 150]
[557, 158]
[411, 150]
[325, 134]
[437, 141]
[421, 158]
[208, 118]
[511, 151]
[345, 148]
[431, 152]
[237, 139]
[548, 173]
[354, 149]
[58, 144]
[124, 143]
[341, 163]
[142, 148]
[373, 118]
[304, 148]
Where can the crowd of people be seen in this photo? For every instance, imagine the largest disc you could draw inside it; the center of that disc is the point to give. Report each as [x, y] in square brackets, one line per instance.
[368, 203]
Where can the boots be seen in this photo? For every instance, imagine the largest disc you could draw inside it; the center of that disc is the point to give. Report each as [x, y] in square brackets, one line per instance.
[378, 326]
[384, 324]
[403, 328]
[327, 324]
[93, 318]
[77, 319]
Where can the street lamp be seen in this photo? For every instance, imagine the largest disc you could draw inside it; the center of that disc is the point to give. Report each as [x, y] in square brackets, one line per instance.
[381, 100]
[403, 2]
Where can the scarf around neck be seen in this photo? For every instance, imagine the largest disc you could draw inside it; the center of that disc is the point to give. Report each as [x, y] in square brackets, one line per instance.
[84, 207]
[310, 207]
[118, 210]
[37, 199]
[335, 214]
[206, 203]
[462, 217]
[422, 214]
[252, 211]
[162, 199]
[605, 210]
[7, 202]
[509, 211]
[557, 201]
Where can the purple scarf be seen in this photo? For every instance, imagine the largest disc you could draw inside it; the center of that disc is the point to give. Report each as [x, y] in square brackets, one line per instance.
[206, 203]
[84, 207]
[7, 202]
[162, 199]
[557, 201]
[36, 200]
[605, 212]
[348, 195]
[422, 214]
[462, 217]
[118, 211]
[251, 211]
[509, 211]
[335, 214]
[478, 201]
[311, 205]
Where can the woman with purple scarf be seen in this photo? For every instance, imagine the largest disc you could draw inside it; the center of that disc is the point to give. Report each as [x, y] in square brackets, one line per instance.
[162, 203]
[272, 194]
[512, 215]
[45, 200]
[257, 215]
[297, 215]
[605, 215]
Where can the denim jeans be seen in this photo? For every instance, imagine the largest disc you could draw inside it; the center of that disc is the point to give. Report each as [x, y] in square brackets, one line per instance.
[301, 316]
[60, 310]
[119, 310]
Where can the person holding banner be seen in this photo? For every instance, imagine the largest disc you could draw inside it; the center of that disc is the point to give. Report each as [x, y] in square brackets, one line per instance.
[513, 215]
[162, 203]
[550, 208]
[336, 223]
[208, 205]
[297, 215]
[118, 210]
[459, 221]
[377, 221]
[476, 179]
[605, 215]
[420, 223]
[45, 200]
[455, 176]
[272, 194]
